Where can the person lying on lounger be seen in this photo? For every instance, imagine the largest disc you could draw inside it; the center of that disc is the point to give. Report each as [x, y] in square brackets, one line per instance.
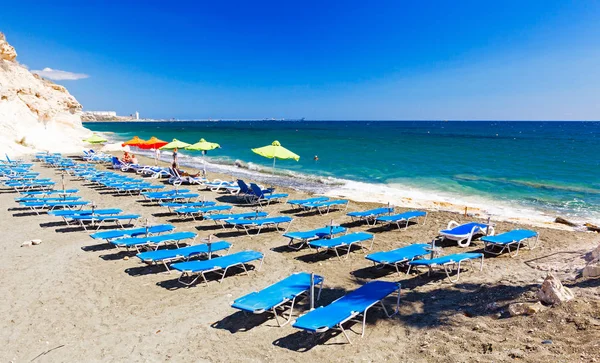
[126, 158]
[181, 172]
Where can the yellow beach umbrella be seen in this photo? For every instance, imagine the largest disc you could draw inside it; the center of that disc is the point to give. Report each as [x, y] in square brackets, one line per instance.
[275, 151]
[203, 146]
[175, 144]
[95, 139]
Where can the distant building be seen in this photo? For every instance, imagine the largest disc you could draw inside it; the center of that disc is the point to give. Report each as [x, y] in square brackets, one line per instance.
[137, 115]
[103, 113]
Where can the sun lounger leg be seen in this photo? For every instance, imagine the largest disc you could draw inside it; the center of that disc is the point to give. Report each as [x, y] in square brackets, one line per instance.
[516, 251]
[448, 270]
[261, 263]
[364, 322]
[535, 242]
[192, 281]
[344, 332]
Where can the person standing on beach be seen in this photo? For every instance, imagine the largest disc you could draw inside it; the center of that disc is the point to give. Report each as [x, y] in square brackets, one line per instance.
[156, 156]
[175, 156]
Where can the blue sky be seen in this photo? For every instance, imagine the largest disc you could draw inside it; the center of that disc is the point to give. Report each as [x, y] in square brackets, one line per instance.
[390, 60]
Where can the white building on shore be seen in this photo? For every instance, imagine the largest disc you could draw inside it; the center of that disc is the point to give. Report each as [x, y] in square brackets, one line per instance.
[102, 113]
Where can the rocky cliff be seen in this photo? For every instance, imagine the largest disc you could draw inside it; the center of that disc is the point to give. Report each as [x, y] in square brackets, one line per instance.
[35, 114]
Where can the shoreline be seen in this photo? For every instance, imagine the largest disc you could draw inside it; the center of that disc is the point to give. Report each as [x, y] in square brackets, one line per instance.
[218, 171]
[376, 193]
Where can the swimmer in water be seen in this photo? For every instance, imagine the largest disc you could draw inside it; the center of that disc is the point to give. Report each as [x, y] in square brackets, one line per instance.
[316, 158]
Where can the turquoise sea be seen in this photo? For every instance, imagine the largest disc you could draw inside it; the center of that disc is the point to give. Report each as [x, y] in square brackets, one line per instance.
[549, 168]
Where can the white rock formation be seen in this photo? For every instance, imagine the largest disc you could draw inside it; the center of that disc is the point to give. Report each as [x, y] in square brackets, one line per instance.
[553, 292]
[35, 114]
[592, 269]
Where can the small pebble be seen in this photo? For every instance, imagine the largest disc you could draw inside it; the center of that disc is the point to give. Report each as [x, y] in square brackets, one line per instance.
[126, 258]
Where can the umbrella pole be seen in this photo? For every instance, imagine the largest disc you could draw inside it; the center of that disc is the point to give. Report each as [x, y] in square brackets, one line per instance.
[203, 163]
[312, 291]
[273, 171]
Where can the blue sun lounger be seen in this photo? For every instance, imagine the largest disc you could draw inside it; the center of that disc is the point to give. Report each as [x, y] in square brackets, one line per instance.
[305, 236]
[325, 205]
[133, 232]
[279, 296]
[223, 217]
[259, 223]
[464, 233]
[47, 199]
[200, 212]
[402, 218]
[348, 307]
[37, 206]
[261, 196]
[67, 214]
[50, 192]
[297, 203]
[181, 197]
[400, 256]
[33, 185]
[346, 241]
[369, 216]
[95, 220]
[154, 195]
[132, 189]
[449, 262]
[168, 256]
[505, 241]
[176, 205]
[224, 263]
[153, 242]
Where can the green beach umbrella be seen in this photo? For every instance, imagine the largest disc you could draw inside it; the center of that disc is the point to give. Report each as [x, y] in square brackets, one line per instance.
[95, 139]
[203, 146]
[175, 144]
[275, 151]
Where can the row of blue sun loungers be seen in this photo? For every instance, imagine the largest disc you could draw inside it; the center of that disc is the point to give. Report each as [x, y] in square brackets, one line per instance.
[72, 211]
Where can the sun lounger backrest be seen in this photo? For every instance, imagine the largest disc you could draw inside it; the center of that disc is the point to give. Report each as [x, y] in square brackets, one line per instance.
[256, 190]
[243, 186]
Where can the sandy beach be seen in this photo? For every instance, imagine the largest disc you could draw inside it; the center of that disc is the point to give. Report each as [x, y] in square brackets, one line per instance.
[72, 298]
